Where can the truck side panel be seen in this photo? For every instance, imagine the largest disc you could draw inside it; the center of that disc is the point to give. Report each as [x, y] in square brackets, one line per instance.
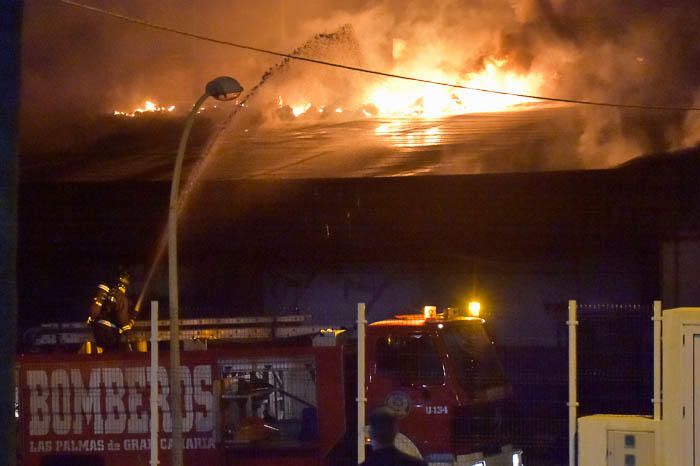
[72, 405]
[97, 407]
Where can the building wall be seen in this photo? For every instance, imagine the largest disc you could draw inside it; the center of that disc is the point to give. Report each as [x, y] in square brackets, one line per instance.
[680, 271]
[523, 307]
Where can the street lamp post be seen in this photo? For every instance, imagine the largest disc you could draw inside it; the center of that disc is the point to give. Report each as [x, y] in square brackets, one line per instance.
[221, 88]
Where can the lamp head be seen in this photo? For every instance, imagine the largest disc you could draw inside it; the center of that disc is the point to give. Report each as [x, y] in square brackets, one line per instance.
[223, 88]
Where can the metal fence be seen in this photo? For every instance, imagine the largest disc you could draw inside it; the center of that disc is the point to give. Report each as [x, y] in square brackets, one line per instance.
[615, 376]
[615, 359]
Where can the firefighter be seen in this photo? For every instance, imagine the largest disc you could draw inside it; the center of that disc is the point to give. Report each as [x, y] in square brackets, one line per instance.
[110, 316]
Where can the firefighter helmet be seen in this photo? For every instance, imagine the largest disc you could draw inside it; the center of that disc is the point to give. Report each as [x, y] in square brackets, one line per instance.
[124, 279]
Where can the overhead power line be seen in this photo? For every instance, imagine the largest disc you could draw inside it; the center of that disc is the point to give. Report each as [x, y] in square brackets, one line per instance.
[160, 27]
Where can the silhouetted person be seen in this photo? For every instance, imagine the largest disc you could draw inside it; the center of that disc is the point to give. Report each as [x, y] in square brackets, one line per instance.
[383, 427]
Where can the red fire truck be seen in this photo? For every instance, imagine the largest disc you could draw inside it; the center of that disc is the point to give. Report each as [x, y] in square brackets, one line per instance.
[261, 391]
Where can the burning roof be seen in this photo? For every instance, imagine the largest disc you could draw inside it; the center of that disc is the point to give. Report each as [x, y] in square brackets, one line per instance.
[347, 145]
[308, 120]
[148, 107]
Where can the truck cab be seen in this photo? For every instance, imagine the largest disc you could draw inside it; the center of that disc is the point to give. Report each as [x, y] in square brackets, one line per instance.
[439, 373]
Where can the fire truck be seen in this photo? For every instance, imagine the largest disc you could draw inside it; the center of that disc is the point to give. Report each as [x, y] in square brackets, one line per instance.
[267, 390]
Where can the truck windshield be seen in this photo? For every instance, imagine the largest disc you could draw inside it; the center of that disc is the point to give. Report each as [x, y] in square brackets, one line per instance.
[473, 355]
[412, 359]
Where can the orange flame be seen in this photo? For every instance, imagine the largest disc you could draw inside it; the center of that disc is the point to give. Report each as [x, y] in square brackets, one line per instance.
[397, 100]
[299, 109]
[405, 98]
[148, 107]
[401, 98]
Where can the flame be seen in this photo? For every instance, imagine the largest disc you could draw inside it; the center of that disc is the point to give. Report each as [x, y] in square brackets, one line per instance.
[148, 107]
[400, 98]
[298, 108]
[301, 108]
[413, 99]
[403, 99]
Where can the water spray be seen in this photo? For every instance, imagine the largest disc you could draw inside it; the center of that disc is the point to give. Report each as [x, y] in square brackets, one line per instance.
[312, 47]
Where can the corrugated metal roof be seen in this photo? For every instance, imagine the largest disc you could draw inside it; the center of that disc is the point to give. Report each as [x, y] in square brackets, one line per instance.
[523, 140]
[535, 138]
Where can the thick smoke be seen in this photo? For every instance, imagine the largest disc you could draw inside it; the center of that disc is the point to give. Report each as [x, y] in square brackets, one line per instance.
[77, 64]
[632, 52]
[643, 52]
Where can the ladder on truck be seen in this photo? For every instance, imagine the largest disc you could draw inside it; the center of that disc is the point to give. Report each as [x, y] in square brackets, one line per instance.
[228, 329]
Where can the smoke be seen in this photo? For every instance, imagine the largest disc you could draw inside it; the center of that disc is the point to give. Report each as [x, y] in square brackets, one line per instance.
[629, 52]
[77, 64]
[643, 52]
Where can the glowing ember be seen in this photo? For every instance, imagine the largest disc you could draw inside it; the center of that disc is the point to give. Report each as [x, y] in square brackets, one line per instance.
[201, 109]
[148, 107]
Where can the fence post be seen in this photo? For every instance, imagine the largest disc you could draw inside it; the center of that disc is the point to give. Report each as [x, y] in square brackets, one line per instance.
[573, 402]
[361, 399]
[154, 383]
[658, 397]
